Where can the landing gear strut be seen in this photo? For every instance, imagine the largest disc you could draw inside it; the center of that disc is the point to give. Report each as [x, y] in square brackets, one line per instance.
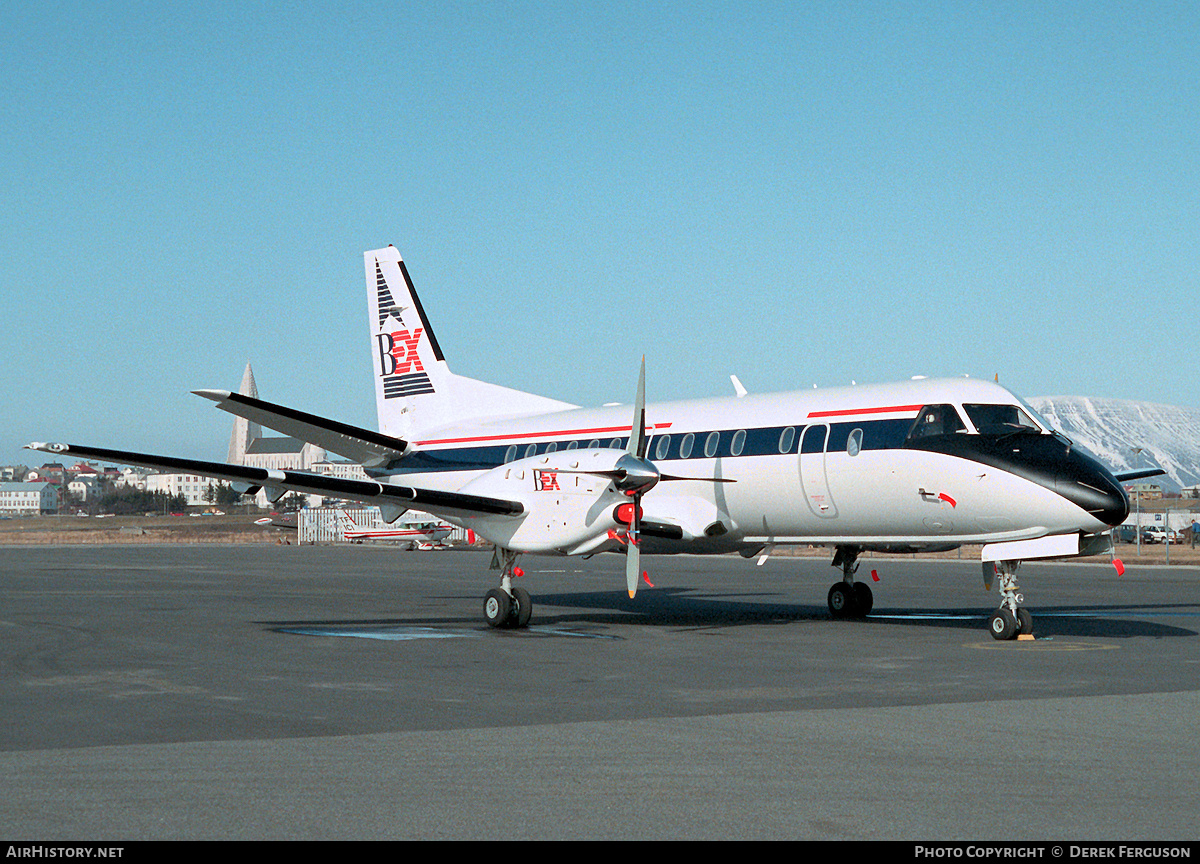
[1011, 619]
[849, 599]
[507, 606]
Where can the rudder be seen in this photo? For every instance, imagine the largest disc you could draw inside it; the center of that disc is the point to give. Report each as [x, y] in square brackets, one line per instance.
[415, 391]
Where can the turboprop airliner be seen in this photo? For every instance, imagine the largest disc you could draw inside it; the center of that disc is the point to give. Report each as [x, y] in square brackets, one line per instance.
[920, 465]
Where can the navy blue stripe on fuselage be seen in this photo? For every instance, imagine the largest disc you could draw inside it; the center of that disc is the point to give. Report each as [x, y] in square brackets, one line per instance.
[888, 434]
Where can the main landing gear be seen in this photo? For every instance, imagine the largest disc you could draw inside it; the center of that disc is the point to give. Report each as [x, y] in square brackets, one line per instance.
[507, 606]
[1010, 620]
[849, 599]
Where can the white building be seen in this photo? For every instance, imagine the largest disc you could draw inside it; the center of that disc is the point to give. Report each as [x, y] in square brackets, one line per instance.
[193, 487]
[27, 499]
[339, 469]
[85, 487]
[248, 446]
[133, 478]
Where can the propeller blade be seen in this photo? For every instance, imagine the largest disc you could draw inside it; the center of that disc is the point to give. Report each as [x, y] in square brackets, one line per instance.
[637, 435]
[633, 552]
[642, 476]
[698, 479]
[633, 566]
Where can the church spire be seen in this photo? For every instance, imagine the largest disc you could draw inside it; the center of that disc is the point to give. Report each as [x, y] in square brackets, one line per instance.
[244, 431]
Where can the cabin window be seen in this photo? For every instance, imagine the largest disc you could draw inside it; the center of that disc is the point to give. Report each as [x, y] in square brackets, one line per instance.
[511, 453]
[594, 444]
[551, 447]
[572, 445]
[786, 439]
[664, 444]
[530, 450]
[615, 444]
[685, 446]
[738, 442]
[936, 420]
[854, 442]
[710, 444]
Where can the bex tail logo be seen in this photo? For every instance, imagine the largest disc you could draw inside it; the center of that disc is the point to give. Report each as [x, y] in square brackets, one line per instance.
[400, 364]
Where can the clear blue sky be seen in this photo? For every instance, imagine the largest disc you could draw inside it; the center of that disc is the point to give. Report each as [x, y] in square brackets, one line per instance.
[798, 193]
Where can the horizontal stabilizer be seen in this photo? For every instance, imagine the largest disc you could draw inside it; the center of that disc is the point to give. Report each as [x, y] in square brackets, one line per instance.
[368, 448]
[1126, 476]
[430, 500]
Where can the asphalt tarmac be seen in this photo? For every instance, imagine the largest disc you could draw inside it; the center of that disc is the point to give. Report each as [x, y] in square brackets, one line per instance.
[251, 692]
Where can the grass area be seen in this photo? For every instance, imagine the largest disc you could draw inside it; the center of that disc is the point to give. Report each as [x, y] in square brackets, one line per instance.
[242, 529]
[141, 529]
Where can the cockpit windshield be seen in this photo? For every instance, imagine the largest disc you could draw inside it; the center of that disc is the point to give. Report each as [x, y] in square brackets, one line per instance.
[936, 420]
[1000, 419]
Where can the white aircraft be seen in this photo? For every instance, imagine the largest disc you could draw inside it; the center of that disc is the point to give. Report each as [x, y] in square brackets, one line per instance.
[916, 466]
[420, 531]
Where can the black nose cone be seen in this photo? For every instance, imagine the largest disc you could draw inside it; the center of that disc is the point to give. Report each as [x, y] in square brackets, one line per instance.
[1085, 482]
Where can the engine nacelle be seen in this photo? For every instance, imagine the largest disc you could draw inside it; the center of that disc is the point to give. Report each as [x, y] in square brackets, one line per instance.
[569, 500]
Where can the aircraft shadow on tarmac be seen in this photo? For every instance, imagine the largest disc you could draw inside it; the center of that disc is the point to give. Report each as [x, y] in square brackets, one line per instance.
[686, 608]
[592, 613]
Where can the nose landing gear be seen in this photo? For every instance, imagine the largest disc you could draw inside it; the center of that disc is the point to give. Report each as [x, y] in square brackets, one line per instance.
[1011, 619]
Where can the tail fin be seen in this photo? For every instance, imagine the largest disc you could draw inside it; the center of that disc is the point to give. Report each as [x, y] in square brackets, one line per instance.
[415, 391]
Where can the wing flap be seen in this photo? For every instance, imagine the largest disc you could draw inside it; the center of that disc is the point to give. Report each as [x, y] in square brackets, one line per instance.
[354, 443]
[435, 501]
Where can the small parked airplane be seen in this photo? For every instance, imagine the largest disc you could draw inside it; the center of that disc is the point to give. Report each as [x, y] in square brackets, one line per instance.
[920, 465]
[417, 529]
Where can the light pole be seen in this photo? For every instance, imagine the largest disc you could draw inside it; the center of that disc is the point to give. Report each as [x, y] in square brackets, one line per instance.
[1137, 452]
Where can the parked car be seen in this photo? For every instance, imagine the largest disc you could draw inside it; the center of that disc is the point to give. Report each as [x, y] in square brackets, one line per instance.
[1125, 534]
[1154, 534]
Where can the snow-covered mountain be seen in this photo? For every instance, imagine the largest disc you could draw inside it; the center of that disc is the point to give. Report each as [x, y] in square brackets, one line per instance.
[1116, 429]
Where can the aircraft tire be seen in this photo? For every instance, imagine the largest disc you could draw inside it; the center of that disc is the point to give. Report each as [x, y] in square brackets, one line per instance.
[1024, 622]
[864, 600]
[497, 608]
[1003, 625]
[522, 607]
[842, 600]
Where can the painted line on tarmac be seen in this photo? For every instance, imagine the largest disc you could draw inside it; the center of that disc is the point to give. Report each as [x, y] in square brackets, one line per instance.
[389, 634]
[409, 634]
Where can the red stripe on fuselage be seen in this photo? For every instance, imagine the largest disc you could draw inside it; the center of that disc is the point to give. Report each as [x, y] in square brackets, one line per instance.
[849, 412]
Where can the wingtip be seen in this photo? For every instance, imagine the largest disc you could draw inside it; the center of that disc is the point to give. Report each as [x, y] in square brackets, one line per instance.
[214, 395]
[48, 447]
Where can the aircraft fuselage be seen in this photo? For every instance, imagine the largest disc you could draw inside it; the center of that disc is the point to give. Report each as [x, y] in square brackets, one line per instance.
[832, 466]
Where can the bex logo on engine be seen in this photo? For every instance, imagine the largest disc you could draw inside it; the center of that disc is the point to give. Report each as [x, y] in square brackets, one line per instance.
[545, 481]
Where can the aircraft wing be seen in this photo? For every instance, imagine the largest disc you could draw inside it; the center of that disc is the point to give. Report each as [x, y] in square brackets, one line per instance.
[392, 498]
[358, 445]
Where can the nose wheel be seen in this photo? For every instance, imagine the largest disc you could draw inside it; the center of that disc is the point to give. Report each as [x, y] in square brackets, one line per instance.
[1011, 619]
